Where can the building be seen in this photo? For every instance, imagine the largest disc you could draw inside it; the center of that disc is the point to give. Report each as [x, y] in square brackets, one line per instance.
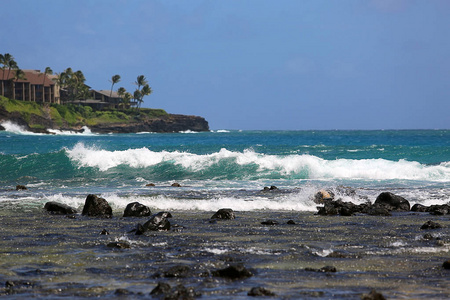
[35, 86]
[101, 99]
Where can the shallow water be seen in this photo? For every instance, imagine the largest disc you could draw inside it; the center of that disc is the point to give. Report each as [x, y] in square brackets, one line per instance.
[53, 256]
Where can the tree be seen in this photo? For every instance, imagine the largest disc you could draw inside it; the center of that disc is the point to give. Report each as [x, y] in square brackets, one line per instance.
[47, 71]
[121, 92]
[18, 75]
[115, 79]
[141, 81]
[8, 62]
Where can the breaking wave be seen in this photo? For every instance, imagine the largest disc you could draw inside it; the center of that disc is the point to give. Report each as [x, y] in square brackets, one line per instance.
[249, 164]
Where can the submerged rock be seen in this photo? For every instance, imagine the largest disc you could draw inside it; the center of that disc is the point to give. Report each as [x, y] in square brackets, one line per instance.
[20, 187]
[270, 222]
[119, 245]
[224, 214]
[176, 184]
[260, 291]
[177, 271]
[373, 295]
[96, 207]
[326, 269]
[391, 201]
[165, 291]
[271, 188]
[137, 209]
[158, 222]
[59, 208]
[431, 225]
[237, 271]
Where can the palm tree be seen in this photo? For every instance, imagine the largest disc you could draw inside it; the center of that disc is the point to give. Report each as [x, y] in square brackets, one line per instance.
[121, 92]
[146, 90]
[7, 60]
[18, 75]
[141, 81]
[47, 71]
[115, 79]
[126, 99]
[137, 95]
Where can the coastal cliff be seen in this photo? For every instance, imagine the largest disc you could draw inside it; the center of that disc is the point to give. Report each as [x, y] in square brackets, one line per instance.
[36, 118]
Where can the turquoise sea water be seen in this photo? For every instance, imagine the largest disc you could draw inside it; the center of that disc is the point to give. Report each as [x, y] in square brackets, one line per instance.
[53, 257]
[219, 165]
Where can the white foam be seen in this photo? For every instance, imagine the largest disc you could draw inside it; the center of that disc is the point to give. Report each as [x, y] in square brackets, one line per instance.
[17, 129]
[86, 131]
[309, 166]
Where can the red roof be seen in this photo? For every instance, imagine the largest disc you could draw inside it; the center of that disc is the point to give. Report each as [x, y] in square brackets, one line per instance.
[32, 76]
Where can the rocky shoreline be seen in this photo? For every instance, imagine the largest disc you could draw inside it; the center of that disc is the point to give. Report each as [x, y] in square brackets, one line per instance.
[191, 255]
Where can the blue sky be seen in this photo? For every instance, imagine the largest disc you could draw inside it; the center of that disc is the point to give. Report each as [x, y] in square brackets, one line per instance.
[242, 64]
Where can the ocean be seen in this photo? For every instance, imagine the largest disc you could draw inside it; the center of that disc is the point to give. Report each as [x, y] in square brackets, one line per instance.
[52, 256]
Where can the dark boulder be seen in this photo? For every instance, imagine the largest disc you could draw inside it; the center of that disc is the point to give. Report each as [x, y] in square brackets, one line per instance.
[259, 292]
[177, 271]
[137, 209]
[161, 289]
[270, 222]
[419, 208]
[431, 225]
[323, 196]
[439, 210]
[224, 214]
[20, 187]
[270, 189]
[119, 245]
[376, 210]
[158, 222]
[233, 272]
[446, 265]
[164, 291]
[392, 202]
[96, 207]
[59, 208]
[176, 184]
[373, 295]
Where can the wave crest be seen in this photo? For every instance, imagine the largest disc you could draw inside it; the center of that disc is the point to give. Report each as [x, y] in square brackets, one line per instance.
[249, 164]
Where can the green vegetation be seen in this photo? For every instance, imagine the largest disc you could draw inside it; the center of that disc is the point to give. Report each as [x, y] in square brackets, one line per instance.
[76, 115]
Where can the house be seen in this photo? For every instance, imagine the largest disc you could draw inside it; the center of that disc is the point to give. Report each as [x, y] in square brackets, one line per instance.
[35, 86]
[101, 99]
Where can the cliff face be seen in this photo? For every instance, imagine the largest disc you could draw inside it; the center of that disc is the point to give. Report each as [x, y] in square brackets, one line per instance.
[170, 123]
[167, 123]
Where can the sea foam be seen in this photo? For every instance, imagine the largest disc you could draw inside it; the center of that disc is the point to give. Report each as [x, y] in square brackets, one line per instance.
[301, 166]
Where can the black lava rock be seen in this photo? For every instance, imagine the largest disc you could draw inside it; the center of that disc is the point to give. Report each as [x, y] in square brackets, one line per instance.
[59, 208]
[96, 207]
[137, 209]
[431, 225]
[224, 214]
[233, 272]
[260, 291]
[392, 202]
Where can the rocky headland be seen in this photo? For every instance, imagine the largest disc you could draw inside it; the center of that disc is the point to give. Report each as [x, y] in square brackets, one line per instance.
[43, 119]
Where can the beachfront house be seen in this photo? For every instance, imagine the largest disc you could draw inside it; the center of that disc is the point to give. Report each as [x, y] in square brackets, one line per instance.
[101, 99]
[32, 86]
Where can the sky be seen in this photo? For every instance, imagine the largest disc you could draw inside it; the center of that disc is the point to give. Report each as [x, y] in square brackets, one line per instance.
[252, 64]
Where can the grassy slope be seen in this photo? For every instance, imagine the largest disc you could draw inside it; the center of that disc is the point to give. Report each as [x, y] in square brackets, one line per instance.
[71, 115]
